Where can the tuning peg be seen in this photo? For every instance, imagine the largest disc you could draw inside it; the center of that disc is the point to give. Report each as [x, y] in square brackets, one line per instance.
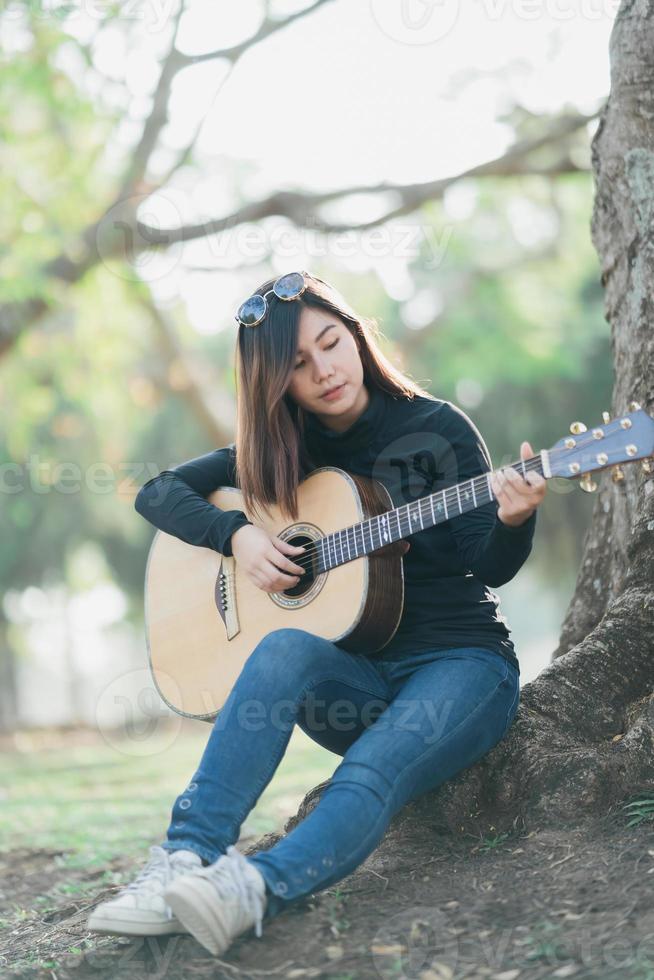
[577, 427]
[634, 406]
[606, 418]
[587, 483]
[647, 464]
[617, 474]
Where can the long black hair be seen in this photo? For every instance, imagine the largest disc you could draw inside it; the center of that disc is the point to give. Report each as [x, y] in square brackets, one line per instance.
[270, 453]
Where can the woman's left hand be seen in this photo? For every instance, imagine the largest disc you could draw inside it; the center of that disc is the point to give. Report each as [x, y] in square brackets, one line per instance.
[517, 496]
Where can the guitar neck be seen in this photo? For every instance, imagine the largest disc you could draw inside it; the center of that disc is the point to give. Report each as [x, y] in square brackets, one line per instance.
[353, 542]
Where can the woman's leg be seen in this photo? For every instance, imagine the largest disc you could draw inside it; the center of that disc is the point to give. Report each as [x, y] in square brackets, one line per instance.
[252, 730]
[446, 715]
[335, 714]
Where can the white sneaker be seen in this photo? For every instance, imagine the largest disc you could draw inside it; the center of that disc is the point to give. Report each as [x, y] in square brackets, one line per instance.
[139, 909]
[220, 901]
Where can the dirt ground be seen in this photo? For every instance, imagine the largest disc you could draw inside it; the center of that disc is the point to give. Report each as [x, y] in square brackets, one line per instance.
[574, 902]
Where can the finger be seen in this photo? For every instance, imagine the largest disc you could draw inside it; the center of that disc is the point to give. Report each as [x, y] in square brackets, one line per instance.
[535, 479]
[531, 482]
[275, 574]
[285, 544]
[516, 480]
[285, 563]
[505, 486]
[524, 492]
[497, 485]
[510, 486]
[294, 568]
[511, 475]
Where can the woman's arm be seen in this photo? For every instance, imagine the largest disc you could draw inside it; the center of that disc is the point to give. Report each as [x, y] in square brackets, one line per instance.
[492, 550]
[175, 501]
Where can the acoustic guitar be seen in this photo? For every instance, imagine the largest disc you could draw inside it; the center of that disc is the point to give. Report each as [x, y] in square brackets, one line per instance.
[204, 616]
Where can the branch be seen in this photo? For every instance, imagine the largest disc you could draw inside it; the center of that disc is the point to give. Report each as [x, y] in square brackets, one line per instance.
[173, 63]
[185, 155]
[158, 117]
[300, 206]
[269, 27]
[16, 316]
[218, 419]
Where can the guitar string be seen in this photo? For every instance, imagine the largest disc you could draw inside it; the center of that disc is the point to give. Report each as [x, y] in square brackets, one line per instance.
[450, 496]
[529, 464]
[305, 559]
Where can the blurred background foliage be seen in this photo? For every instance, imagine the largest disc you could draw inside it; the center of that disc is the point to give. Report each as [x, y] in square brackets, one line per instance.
[508, 324]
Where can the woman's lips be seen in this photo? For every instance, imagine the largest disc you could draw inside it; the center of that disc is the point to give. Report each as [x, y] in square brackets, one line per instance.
[336, 393]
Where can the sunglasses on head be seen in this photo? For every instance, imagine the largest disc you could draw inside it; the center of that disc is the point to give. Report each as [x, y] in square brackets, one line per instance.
[253, 310]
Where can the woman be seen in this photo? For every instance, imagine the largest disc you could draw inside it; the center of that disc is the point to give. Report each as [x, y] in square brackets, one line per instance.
[315, 389]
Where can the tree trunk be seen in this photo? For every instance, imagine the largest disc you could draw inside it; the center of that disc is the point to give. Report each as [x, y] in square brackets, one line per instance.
[623, 170]
[583, 737]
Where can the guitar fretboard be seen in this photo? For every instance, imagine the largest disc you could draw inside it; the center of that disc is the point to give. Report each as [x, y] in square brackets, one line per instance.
[361, 539]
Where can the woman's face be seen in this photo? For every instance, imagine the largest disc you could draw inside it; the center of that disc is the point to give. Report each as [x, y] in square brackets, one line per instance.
[328, 357]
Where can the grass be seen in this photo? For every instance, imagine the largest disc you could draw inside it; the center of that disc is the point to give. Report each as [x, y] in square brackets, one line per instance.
[639, 809]
[101, 800]
[490, 843]
[335, 904]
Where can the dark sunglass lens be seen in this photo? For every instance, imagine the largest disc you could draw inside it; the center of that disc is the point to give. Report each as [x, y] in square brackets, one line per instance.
[252, 310]
[289, 286]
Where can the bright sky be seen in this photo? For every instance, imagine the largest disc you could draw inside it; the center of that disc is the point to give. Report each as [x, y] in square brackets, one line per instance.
[370, 100]
[359, 92]
[365, 91]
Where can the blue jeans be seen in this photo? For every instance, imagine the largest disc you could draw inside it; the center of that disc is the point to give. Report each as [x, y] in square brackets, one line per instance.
[402, 727]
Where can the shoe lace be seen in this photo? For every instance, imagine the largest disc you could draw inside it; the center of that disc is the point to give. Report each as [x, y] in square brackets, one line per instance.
[232, 875]
[155, 874]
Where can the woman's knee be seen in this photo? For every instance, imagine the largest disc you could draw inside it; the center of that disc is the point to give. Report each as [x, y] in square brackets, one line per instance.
[285, 656]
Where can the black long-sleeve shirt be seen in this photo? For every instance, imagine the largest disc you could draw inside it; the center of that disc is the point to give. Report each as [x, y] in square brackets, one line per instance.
[413, 448]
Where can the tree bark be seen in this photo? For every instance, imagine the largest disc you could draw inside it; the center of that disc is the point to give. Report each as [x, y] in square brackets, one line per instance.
[623, 172]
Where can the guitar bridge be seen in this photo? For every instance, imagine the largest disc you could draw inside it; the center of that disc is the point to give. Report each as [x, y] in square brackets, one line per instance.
[225, 596]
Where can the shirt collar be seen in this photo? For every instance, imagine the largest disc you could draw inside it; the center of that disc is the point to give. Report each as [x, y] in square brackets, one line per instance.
[356, 435]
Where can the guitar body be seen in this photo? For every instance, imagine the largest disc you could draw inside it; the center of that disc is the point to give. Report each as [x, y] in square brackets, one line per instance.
[204, 617]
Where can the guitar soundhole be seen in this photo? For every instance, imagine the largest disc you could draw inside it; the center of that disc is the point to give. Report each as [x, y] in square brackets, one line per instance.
[307, 560]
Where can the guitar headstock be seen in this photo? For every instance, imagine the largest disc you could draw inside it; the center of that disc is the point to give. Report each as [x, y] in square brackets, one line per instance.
[626, 439]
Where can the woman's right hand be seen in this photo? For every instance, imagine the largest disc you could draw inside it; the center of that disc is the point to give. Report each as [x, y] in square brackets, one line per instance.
[263, 558]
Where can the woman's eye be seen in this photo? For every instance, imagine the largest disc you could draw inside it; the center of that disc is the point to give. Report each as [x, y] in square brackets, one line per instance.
[330, 347]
